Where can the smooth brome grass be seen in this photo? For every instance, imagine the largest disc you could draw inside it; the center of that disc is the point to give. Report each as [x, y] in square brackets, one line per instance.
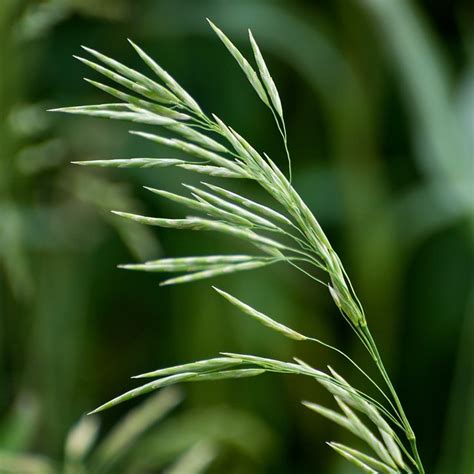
[292, 236]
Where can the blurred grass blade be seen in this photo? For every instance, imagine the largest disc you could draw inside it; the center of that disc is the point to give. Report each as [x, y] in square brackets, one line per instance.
[130, 428]
[195, 460]
[81, 438]
[12, 463]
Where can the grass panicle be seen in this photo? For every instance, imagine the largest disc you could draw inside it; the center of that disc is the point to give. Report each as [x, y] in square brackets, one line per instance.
[287, 232]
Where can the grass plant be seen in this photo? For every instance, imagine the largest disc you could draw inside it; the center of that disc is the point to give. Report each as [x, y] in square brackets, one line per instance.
[286, 233]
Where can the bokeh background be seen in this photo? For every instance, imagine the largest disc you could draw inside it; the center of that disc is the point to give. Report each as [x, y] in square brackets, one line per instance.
[379, 100]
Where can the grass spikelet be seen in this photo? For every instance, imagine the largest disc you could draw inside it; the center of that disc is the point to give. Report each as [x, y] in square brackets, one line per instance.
[149, 387]
[199, 366]
[202, 206]
[353, 459]
[232, 208]
[188, 263]
[266, 77]
[364, 433]
[243, 63]
[143, 104]
[210, 170]
[141, 116]
[262, 318]
[330, 415]
[140, 78]
[364, 458]
[218, 271]
[191, 149]
[249, 204]
[132, 163]
[167, 79]
[197, 137]
[128, 84]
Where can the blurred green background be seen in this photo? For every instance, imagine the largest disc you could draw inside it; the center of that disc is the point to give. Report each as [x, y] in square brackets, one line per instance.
[379, 100]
